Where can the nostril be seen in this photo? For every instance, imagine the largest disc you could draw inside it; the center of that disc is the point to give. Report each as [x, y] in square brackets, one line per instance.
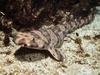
[25, 45]
[20, 43]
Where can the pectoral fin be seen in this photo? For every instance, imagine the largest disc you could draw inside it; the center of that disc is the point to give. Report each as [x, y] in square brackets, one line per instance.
[56, 54]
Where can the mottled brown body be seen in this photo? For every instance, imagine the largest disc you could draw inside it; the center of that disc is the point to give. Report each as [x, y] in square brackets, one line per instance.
[51, 37]
[33, 13]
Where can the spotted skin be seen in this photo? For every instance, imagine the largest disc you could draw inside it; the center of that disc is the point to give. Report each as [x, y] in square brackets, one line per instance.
[52, 37]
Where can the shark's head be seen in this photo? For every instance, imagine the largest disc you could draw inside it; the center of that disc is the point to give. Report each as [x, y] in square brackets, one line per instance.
[26, 39]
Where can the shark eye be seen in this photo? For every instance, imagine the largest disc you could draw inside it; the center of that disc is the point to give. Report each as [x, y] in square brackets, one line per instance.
[33, 43]
[33, 40]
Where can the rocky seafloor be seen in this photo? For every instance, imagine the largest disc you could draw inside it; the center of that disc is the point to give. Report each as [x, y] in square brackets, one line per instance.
[81, 51]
